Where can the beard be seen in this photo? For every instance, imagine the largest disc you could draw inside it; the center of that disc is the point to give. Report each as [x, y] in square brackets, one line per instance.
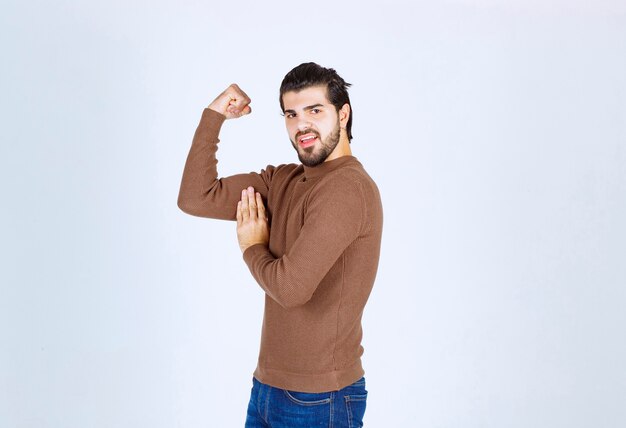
[317, 154]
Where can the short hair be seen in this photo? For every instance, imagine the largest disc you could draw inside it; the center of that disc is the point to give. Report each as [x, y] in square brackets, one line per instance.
[311, 74]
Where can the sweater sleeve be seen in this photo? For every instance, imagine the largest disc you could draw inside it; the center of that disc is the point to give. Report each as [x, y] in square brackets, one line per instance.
[201, 192]
[333, 220]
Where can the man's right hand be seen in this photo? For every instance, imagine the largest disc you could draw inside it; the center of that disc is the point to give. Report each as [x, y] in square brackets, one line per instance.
[232, 103]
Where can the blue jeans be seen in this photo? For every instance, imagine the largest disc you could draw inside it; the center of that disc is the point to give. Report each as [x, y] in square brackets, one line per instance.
[272, 407]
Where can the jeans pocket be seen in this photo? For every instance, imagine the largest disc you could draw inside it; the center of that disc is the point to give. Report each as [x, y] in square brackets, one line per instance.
[307, 398]
[355, 407]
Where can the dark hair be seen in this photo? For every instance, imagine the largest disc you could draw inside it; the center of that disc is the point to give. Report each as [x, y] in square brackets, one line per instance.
[311, 74]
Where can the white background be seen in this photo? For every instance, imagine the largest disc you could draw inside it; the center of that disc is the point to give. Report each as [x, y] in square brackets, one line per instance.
[496, 132]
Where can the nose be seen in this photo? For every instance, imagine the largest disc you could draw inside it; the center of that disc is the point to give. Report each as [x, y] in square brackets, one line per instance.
[303, 124]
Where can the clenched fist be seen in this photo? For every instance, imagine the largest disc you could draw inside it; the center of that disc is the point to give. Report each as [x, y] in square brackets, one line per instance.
[232, 103]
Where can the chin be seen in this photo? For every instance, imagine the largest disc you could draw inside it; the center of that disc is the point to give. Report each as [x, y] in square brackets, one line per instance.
[311, 161]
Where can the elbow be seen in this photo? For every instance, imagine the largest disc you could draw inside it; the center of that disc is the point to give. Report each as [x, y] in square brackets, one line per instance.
[290, 304]
[289, 288]
[189, 207]
[293, 300]
[185, 206]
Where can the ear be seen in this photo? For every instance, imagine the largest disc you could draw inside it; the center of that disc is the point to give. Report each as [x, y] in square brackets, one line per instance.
[344, 115]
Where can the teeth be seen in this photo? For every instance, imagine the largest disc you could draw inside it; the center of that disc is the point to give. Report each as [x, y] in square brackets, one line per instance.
[307, 138]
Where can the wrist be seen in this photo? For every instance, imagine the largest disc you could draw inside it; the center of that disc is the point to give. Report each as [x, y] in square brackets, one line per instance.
[249, 245]
[216, 109]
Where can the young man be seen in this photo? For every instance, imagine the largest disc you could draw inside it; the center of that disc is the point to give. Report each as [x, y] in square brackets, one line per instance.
[310, 235]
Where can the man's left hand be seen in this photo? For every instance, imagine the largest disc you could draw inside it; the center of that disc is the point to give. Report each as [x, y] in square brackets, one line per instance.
[252, 227]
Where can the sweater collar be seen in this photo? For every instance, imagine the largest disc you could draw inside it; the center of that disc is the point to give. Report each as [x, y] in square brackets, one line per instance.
[328, 166]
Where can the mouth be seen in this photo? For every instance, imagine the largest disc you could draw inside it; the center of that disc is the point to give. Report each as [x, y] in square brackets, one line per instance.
[307, 140]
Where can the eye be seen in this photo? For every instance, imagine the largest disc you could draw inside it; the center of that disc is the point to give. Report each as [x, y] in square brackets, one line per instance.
[315, 110]
[289, 115]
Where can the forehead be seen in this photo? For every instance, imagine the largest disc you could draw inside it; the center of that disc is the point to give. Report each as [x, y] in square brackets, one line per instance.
[293, 100]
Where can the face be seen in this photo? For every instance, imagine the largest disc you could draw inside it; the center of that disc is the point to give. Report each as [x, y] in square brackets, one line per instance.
[313, 124]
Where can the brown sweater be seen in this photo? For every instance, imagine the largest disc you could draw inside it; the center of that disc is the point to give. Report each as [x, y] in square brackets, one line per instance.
[319, 269]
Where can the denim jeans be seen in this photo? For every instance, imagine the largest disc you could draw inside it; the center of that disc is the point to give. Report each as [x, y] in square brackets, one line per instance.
[272, 407]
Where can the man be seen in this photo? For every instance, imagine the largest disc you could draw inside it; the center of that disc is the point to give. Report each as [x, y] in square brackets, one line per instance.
[310, 235]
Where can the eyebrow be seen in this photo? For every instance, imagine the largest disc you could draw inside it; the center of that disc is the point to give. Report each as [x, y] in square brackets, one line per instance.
[306, 108]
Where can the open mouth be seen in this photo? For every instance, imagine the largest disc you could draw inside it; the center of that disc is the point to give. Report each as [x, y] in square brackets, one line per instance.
[307, 140]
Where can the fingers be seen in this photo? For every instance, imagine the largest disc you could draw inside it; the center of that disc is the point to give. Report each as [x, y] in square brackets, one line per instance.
[235, 89]
[260, 206]
[251, 206]
[235, 110]
[252, 203]
[232, 102]
[245, 210]
[238, 101]
[239, 214]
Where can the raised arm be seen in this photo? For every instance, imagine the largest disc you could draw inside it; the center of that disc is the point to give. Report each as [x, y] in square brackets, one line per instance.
[201, 192]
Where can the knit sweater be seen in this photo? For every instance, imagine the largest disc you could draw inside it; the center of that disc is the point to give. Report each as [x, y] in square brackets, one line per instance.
[319, 267]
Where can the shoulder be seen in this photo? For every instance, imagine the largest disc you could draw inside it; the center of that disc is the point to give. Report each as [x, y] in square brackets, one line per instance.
[343, 189]
[352, 192]
[280, 172]
[349, 196]
[284, 168]
[352, 178]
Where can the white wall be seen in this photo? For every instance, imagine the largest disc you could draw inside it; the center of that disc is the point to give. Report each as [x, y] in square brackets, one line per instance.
[496, 132]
